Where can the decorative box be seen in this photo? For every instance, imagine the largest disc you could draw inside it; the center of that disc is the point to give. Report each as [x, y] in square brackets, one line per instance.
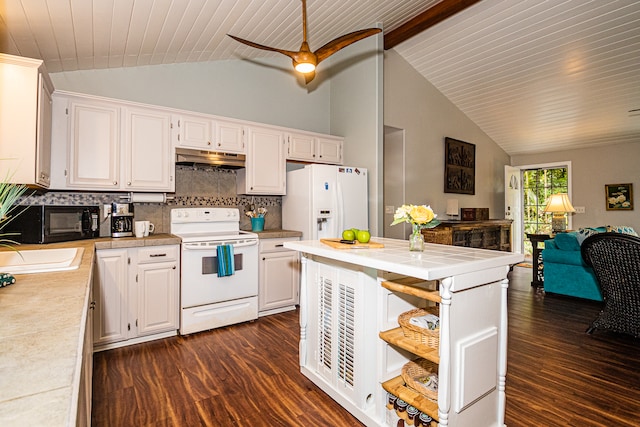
[474, 214]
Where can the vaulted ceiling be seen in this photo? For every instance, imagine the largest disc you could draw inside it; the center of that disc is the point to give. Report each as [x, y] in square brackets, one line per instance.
[534, 75]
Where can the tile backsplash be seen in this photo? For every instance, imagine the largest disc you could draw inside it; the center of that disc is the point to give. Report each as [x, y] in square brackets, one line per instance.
[195, 186]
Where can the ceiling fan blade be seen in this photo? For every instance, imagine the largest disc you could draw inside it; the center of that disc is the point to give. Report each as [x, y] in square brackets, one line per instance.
[288, 53]
[343, 41]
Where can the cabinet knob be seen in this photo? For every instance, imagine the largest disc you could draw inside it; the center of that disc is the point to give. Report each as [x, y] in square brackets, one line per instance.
[115, 182]
[219, 145]
[128, 183]
[174, 267]
[208, 142]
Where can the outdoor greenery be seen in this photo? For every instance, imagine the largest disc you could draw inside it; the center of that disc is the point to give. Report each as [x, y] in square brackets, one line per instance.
[537, 186]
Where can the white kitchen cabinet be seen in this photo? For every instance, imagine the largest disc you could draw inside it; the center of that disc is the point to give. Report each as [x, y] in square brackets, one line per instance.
[202, 132]
[279, 277]
[25, 121]
[149, 163]
[308, 147]
[137, 295]
[83, 417]
[265, 171]
[102, 145]
[110, 290]
[158, 283]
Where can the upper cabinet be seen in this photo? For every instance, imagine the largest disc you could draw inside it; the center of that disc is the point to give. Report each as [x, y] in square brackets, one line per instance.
[149, 159]
[103, 145]
[308, 147]
[25, 121]
[265, 171]
[211, 134]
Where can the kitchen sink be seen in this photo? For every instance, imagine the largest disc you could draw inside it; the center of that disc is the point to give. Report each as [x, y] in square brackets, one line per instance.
[40, 260]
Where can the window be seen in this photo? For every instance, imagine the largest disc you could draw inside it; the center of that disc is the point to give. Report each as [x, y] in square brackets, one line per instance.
[537, 186]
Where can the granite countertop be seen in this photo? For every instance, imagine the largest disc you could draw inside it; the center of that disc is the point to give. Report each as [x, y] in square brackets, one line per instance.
[277, 234]
[42, 326]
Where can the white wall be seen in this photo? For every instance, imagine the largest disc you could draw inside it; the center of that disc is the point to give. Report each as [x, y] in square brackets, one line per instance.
[265, 90]
[413, 104]
[356, 114]
[592, 169]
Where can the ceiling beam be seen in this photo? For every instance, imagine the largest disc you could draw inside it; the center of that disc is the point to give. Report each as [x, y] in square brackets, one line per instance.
[426, 19]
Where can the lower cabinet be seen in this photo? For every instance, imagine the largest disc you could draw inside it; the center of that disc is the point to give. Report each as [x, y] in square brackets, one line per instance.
[137, 295]
[83, 416]
[279, 277]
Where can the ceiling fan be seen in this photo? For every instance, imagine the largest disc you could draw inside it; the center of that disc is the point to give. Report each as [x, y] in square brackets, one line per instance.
[305, 61]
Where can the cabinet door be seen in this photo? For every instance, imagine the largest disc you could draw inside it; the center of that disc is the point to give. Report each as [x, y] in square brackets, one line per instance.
[195, 132]
[265, 171]
[229, 137]
[110, 291]
[147, 147]
[43, 137]
[329, 150]
[158, 295]
[94, 145]
[86, 371]
[301, 147]
[279, 280]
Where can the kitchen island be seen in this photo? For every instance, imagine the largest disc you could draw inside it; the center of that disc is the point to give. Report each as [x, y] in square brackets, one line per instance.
[351, 345]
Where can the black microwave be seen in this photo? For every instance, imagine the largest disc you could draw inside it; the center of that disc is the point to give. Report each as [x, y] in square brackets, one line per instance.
[52, 223]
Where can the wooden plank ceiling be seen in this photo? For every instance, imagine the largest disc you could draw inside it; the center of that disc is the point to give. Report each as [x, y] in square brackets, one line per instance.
[534, 75]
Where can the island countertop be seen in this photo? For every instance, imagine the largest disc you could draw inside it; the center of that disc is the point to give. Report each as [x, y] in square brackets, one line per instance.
[435, 262]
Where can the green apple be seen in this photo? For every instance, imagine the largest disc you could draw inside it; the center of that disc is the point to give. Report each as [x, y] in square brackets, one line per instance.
[355, 231]
[348, 235]
[363, 236]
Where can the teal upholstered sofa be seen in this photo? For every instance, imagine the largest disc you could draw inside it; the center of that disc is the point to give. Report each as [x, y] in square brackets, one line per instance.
[565, 272]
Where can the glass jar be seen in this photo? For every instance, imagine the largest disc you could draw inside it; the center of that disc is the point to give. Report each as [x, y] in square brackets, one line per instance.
[416, 240]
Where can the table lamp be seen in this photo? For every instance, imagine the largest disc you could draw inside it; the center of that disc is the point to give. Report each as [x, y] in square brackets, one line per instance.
[559, 205]
[452, 208]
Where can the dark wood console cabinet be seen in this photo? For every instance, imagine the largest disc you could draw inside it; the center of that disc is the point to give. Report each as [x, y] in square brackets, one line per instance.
[486, 234]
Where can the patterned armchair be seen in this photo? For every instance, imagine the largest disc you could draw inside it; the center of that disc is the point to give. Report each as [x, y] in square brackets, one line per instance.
[615, 259]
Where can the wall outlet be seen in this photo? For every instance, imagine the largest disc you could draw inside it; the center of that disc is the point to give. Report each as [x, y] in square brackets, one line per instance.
[106, 211]
[389, 209]
[579, 209]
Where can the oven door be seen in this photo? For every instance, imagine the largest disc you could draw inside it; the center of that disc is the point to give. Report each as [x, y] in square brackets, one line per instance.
[200, 284]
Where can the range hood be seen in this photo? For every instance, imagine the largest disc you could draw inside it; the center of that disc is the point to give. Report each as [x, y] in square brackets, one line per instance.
[187, 156]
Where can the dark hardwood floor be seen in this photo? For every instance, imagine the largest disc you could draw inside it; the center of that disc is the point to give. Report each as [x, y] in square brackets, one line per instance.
[247, 374]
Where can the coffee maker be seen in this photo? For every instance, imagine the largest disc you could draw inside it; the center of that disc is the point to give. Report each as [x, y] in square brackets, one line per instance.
[121, 219]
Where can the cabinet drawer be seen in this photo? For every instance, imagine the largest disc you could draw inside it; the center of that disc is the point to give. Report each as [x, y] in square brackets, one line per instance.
[276, 245]
[158, 254]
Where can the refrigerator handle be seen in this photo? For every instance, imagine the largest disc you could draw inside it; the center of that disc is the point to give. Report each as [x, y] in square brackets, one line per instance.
[340, 207]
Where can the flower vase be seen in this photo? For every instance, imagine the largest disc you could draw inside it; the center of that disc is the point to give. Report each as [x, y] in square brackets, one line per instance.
[416, 240]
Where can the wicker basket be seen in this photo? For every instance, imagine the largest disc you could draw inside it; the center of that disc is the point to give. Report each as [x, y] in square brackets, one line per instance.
[416, 372]
[430, 337]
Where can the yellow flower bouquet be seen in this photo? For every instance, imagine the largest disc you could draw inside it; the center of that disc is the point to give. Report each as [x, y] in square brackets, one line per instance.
[419, 216]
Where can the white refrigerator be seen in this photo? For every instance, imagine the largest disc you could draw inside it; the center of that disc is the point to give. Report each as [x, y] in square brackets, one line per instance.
[323, 200]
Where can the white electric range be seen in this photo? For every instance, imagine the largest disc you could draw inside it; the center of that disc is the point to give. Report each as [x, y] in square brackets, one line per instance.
[208, 301]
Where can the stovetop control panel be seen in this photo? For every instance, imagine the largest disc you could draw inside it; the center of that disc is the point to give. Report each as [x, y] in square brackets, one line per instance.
[204, 215]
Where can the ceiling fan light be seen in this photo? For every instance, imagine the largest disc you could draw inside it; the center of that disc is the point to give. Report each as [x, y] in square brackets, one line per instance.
[305, 67]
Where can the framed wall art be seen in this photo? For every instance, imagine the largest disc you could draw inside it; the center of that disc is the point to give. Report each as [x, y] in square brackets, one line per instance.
[459, 167]
[619, 197]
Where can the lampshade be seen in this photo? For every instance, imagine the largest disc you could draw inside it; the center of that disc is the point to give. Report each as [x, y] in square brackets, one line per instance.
[559, 203]
[452, 207]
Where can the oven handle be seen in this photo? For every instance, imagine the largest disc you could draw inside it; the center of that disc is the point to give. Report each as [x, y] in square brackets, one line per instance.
[196, 247]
